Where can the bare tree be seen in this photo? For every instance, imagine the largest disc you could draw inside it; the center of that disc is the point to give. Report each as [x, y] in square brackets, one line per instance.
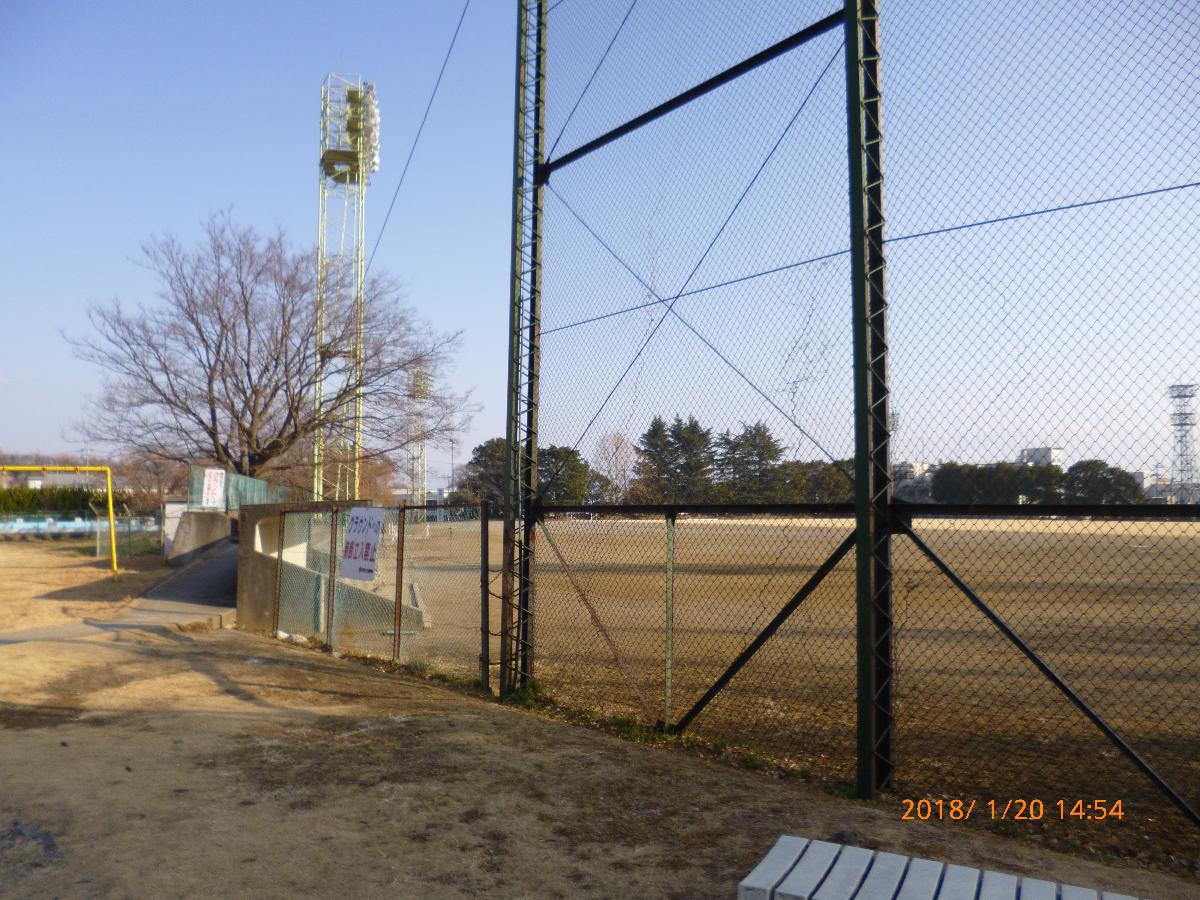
[149, 480]
[615, 458]
[225, 366]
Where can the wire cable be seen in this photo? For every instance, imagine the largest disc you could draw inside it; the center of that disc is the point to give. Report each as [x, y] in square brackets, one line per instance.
[417, 138]
[592, 77]
[704, 340]
[712, 243]
[948, 229]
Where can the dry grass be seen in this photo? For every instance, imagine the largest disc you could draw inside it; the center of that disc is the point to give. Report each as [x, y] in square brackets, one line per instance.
[222, 764]
[44, 583]
[1111, 606]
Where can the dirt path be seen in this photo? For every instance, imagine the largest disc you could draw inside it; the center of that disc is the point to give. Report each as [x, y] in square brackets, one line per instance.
[222, 764]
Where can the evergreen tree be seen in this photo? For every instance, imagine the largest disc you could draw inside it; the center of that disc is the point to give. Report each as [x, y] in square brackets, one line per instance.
[695, 458]
[655, 462]
[747, 466]
[564, 477]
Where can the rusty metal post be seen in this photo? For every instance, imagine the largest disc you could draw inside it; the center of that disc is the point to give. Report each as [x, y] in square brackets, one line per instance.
[669, 620]
[332, 575]
[485, 591]
[278, 576]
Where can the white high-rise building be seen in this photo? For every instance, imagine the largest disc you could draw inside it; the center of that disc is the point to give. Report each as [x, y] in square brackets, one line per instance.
[1042, 456]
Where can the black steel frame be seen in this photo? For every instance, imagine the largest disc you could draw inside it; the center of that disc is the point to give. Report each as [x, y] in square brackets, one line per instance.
[877, 517]
[898, 520]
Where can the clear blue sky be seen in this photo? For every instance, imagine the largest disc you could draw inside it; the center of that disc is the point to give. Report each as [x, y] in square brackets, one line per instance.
[1063, 329]
[1058, 327]
[126, 119]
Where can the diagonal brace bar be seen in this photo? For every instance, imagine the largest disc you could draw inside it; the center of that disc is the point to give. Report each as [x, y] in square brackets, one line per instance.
[830, 22]
[595, 616]
[763, 636]
[902, 527]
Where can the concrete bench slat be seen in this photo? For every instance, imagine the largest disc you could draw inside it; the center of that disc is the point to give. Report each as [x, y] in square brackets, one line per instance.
[806, 876]
[998, 886]
[959, 883]
[800, 869]
[760, 883]
[846, 875]
[1037, 889]
[922, 880]
[887, 871]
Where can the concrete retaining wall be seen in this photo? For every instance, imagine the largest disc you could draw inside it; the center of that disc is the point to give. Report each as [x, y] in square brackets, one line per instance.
[198, 531]
[258, 571]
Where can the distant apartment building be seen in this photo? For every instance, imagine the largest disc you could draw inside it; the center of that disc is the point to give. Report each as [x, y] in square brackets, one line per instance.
[912, 481]
[434, 497]
[1042, 456]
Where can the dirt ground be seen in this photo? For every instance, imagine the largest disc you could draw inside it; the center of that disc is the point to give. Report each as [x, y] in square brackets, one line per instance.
[1110, 606]
[44, 583]
[225, 764]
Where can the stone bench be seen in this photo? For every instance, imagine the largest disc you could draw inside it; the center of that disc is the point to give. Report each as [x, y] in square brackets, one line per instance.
[799, 869]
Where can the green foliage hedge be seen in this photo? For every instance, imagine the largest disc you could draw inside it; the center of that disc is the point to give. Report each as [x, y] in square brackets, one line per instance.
[23, 501]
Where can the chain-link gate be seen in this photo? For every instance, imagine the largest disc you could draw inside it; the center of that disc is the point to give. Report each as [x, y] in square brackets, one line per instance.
[966, 402]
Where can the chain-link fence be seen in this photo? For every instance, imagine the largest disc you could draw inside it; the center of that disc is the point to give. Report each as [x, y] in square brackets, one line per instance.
[422, 604]
[989, 365]
[136, 536]
[639, 614]
[216, 488]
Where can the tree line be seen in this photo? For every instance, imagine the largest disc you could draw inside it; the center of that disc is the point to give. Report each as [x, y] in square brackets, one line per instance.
[681, 461]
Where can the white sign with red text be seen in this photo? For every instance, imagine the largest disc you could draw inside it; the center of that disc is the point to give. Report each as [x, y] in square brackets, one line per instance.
[360, 543]
[213, 493]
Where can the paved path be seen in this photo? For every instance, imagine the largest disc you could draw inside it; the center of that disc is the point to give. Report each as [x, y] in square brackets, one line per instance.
[200, 595]
[211, 580]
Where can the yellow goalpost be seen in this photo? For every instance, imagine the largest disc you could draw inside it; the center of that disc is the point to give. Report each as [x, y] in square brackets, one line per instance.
[108, 492]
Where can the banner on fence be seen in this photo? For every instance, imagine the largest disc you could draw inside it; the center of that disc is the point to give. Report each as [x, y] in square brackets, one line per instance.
[361, 543]
[213, 496]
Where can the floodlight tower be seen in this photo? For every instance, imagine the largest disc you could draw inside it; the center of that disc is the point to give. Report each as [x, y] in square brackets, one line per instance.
[1183, 460]
[349, 154]
[418, 460]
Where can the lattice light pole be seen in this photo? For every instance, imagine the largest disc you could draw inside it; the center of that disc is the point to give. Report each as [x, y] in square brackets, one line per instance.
[418, 454]
[349, 154]
[1183, 488]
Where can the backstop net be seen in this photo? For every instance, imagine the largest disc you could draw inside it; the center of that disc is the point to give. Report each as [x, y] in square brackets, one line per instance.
[922, 280]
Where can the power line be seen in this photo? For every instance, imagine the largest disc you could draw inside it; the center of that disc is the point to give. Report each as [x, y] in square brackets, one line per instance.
[417, 138]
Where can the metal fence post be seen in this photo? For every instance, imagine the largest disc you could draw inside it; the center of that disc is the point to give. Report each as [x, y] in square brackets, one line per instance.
[332, 575]
[520, 493]
[872, 481]
[669, 618]
[512, 462]
[278, 575]
[402, 512]
[534, 349]
[485, 660]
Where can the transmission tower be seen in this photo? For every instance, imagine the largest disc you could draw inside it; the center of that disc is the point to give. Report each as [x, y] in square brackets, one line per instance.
[1183, 488]
[349, 154]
